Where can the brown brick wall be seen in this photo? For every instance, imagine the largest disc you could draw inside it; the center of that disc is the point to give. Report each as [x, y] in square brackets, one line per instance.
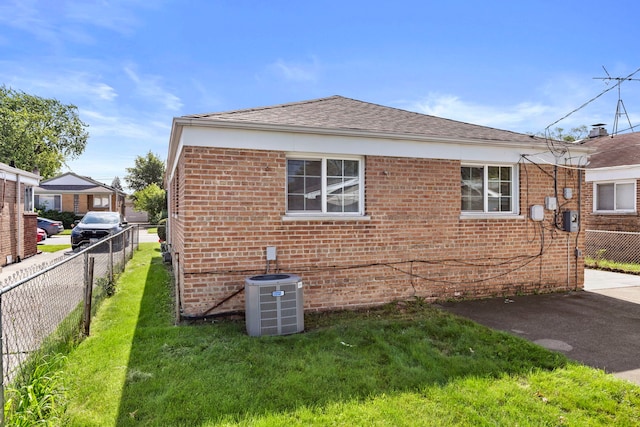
[67, 202]
[415, 243]
[30, 242]
[9, 233]
[8, 221]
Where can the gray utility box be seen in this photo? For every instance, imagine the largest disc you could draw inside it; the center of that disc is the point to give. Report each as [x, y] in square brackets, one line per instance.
[274, 304]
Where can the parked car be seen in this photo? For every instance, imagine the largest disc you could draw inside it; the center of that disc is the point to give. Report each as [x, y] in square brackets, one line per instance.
[95, 226]
[41, 235]
[50, 226]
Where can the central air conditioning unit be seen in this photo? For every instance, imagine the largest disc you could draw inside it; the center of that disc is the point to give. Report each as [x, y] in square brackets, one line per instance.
[274, 304]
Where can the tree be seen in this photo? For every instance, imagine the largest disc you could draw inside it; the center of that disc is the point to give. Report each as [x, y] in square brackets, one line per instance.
[153, 200]
[574, 134]
[39, 132]
[116, 183]
[147, 170]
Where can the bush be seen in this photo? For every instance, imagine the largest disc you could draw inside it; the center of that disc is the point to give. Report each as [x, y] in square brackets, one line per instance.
[67, 218]
[162, 229]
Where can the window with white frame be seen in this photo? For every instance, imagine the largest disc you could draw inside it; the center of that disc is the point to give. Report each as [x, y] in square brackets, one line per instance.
[615, 196]
[100, 201]
[28, 199]
[488, 189]
[48, 202]
[325, 185]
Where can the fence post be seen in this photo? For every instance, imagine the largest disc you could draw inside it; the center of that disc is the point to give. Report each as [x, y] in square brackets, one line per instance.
[110, 261]
[88, 293]
[123, 236]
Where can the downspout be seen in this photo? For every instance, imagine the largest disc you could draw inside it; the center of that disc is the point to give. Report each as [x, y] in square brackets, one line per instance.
[19, 219]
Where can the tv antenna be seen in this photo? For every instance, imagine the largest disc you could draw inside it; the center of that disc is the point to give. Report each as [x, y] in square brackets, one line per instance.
[620, 109]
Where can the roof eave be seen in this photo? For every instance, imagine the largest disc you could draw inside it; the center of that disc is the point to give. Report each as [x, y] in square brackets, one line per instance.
[180, 122]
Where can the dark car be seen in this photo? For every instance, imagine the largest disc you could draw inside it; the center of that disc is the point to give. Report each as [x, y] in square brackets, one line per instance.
[95, 226]
[50, 226]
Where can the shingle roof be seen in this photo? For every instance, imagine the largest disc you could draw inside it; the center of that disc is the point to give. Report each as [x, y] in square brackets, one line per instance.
[340, 113]
[617, 150]
[88, 184]
[70, 187]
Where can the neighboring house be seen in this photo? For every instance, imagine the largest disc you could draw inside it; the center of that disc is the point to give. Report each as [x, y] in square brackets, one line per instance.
[78, 194]
[612, 182]
[18, 222]
[368, 204]
[133, 216]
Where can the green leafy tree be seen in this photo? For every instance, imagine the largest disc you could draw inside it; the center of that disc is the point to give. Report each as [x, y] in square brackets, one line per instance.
[153, 200]
[574, 134]
[39, 132]
[147, 170]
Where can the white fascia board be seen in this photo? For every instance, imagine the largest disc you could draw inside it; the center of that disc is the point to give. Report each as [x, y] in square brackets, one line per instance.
[10, 173]
[255, 136]
[353, 145]
[615, 173]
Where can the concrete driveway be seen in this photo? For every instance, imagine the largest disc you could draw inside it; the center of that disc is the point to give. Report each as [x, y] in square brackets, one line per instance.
[599, 326]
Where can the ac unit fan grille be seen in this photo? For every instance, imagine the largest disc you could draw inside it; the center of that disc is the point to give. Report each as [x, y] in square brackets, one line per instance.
[279, 314]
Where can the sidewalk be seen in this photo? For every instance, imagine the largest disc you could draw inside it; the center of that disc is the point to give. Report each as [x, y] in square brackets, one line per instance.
[622, 286]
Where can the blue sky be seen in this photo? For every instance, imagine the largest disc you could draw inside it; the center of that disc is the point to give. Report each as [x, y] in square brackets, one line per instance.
[130, 66]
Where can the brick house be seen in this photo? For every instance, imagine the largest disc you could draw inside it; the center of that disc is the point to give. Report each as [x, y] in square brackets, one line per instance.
[612, 178]
[18, 222]
[78, 194]
[368, 204]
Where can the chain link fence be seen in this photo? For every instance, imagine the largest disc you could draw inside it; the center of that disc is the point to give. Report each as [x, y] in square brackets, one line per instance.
[617, 246]
[48, 306]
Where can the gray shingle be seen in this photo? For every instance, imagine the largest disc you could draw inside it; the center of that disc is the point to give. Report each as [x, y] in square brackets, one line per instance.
[618, 150]
[340, 113]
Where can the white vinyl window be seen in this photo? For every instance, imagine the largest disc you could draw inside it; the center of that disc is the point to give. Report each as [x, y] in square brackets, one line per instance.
[325, 186]
[488, 189]
[614, 197]
[51, 202]
[100, 201]
[28, 199]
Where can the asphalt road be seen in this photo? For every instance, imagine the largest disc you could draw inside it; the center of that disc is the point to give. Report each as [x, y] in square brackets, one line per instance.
[143, 235]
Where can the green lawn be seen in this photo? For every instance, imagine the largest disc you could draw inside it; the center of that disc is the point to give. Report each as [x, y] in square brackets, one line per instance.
[399, 365]
[53, 248]
[605, 264]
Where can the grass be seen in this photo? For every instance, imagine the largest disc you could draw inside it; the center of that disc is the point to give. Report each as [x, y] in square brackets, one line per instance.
[605, 264]
[40, 397]
[53, 248]
[402, 364]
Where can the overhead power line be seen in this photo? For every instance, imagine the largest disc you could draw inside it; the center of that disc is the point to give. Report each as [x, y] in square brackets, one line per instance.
[619, 79]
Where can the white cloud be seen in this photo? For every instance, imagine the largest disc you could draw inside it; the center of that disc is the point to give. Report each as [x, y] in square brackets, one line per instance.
[524, 115]
[25, 15]
[122, 127]
[116, 16]
[562, 103]
[297, 71]
[149, 86]
[67, 85]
